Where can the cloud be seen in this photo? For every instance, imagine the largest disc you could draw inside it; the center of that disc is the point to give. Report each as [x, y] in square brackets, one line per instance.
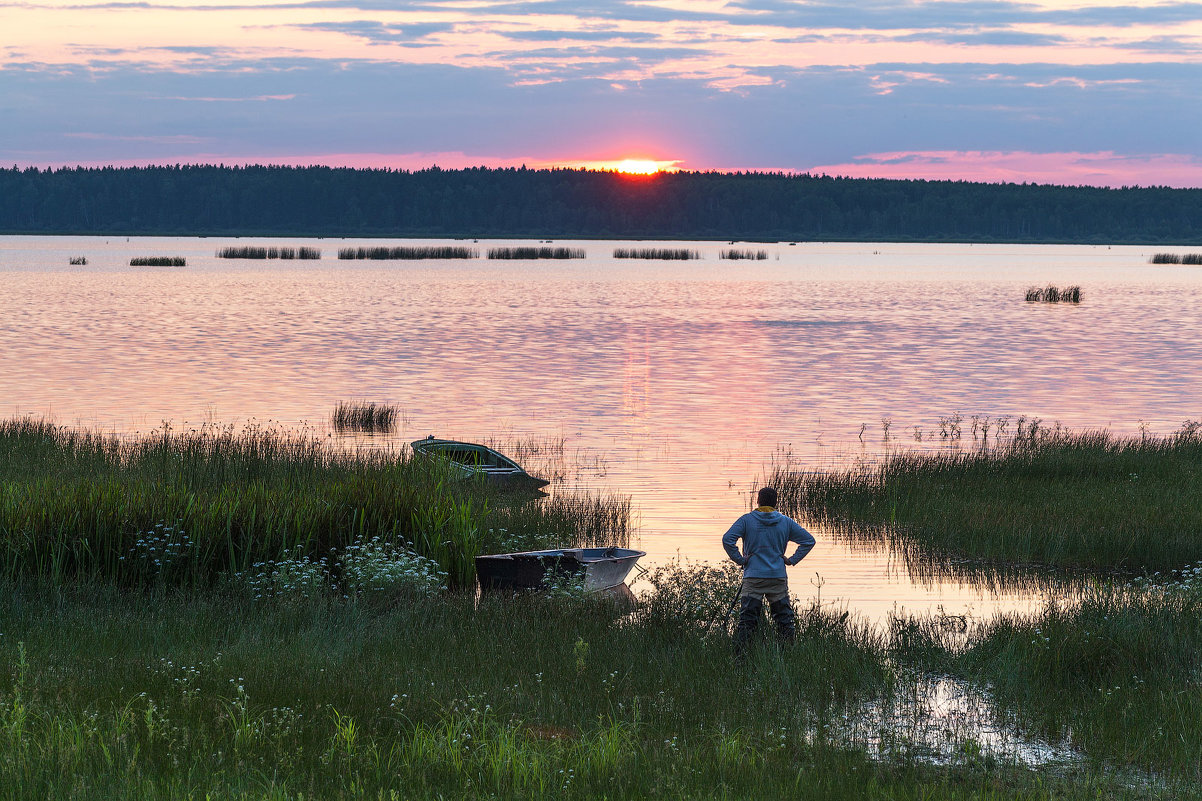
[779, 117]
[378, 32]
[1104, 168]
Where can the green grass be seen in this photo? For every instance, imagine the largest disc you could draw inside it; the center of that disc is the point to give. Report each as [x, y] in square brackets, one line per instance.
[1091, 500]
[77, 504]
[111, 694]
[1117, 674]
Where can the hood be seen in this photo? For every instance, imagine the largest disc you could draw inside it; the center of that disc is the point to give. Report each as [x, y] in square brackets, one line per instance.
[767, 518]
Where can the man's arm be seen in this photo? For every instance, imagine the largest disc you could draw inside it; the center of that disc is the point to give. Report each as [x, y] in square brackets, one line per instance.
[729, 540]
[804, 540]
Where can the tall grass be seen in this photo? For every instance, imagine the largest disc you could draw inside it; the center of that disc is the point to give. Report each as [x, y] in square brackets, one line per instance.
[372, 418]
[211, 694]
[158, 261]
[409, 252]
[252, 252]
[1053, 294]
[77, 503]
[535, 253]
[736, 254]
[1115, 673]
[667, 254]
[1045, 496]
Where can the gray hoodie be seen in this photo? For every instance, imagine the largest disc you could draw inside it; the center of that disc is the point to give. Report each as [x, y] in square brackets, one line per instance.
[765, 536]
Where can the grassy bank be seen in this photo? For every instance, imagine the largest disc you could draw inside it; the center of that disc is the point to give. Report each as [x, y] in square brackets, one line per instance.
[1073, 500]
[183, 508]
[1116, 674]
[106, 693]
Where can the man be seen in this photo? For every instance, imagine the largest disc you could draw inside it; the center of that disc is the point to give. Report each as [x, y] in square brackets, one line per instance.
[765, 534]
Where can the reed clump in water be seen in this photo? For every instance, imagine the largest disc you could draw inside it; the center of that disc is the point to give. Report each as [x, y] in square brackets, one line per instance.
[1165, 258]
[1192, 258]
[78, 503]
[1042, 496]
[736, 254]
[1053, 294]
[410, 252]
[254, 252]
[536, 253]
[370, 418]
[158, 261]
[667, 254]
[79, 260]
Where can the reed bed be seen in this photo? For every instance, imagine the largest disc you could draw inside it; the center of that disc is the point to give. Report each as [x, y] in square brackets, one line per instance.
[736, 254]
[254, 252]
[1053, 294]
[1165, 258]
[158, 261]
[667, 254]
[535, 253]
[79, 260]
[409, 252]
[1045, 496]
[370, 418]
[1192, 258]
[77, 503]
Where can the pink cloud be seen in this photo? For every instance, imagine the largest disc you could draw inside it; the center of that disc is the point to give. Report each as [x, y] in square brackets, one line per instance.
[1104, 168]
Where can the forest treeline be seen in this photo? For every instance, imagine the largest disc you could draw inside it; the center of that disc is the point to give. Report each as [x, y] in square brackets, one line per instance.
[520, 202]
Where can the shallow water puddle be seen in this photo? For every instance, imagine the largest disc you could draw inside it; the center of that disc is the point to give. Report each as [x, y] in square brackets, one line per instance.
[942, 720]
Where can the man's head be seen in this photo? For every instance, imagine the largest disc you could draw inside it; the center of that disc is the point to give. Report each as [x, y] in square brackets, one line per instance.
[766, 497]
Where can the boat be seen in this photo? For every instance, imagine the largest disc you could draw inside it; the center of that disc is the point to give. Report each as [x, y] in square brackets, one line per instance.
[473, 460]
[601, 568]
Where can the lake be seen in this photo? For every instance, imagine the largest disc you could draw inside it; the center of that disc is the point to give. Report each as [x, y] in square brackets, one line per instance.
[675, 382]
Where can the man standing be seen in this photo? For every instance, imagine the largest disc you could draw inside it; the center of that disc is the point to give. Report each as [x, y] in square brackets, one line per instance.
[765, 534]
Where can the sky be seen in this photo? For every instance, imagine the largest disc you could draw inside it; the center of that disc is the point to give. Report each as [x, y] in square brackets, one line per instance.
[1101, 93]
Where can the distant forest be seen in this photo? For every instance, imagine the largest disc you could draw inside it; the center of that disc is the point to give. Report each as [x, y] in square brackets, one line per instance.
[518, 202]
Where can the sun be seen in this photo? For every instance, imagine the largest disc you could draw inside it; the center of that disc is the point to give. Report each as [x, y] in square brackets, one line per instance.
[637, 166]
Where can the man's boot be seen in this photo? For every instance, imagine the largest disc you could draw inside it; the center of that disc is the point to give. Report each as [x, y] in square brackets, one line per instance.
[785, 619]
[750, 610]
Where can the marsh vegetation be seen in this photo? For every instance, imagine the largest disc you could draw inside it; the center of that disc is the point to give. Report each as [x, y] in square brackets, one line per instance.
[158, 261]
[1030, 495]
[79, 260]
[254, 613]
[367, 417]
[736, 254]
[410, 252]
[536, 253]
[1174, 258]
[666, 254]
[254, 252]
[1054, 294]
[79, 504]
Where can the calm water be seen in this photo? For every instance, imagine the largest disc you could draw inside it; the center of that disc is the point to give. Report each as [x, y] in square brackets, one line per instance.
[674, 382]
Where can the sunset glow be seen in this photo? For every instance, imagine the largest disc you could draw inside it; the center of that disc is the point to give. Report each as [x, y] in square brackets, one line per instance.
[747, 85]
[637, 166]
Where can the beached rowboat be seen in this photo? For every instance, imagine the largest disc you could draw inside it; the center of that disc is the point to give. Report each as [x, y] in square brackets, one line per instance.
[601, 568]
[471, 460]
